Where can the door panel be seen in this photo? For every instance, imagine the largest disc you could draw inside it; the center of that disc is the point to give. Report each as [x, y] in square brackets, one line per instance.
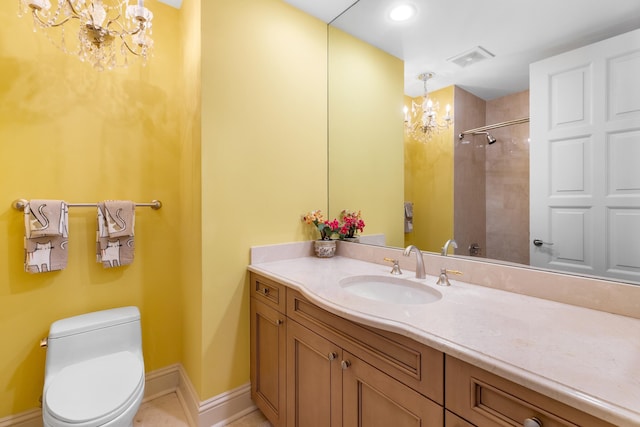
[314, 379]
[585, 146]
[268, 345]
[373, 399]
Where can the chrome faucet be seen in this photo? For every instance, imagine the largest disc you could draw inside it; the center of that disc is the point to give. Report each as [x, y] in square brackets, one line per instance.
[445, 248]
[420, 273]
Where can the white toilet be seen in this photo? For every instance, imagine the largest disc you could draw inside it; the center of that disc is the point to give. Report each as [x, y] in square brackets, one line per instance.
[94, 374]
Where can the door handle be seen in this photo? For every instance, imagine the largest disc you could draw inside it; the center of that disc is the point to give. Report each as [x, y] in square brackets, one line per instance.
[538, 243]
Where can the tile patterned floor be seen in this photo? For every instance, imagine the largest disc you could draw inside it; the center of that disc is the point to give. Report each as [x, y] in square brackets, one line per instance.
[166, 411]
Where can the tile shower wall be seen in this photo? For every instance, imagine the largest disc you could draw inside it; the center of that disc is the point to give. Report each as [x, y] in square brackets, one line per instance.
[491, 196]
[469, 173]
[507, 181]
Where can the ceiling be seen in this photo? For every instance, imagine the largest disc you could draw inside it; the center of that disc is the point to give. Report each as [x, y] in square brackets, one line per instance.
[516, 32]
[173, 3]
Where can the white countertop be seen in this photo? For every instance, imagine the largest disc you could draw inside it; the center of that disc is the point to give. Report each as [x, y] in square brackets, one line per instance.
[585, 358]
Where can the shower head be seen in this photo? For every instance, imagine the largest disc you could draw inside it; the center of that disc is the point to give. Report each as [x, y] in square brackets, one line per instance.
[490, 139]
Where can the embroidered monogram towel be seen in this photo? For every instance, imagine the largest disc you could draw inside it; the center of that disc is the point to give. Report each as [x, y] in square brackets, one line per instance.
[114, 239]
[46, 235]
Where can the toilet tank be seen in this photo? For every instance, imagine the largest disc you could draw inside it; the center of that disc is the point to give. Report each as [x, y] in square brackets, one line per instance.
[91, 335]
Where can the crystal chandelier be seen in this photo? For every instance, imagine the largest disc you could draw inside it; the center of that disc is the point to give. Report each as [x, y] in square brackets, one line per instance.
[422, 122]
[108, 31]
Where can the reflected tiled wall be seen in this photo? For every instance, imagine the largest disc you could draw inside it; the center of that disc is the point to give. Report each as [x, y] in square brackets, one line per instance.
[469, 174]
[491, 198]
[507, 181]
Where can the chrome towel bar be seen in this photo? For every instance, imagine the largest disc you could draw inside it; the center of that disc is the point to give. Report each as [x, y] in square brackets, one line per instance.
[21, 203]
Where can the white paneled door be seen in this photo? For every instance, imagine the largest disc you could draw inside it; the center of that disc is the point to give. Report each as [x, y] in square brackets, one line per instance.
[585, 160]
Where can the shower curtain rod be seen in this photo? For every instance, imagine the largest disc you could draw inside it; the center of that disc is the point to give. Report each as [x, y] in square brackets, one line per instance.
[493, 126]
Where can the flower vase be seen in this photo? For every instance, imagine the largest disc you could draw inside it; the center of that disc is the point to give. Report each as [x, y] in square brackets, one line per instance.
[324, 248]
[354, 239]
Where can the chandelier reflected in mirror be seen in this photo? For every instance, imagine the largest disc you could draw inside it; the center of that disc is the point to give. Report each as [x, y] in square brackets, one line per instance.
[102, 32]
[422, 123]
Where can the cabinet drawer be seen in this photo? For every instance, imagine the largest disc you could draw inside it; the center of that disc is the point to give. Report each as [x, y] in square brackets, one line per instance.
[489, 400]
[268, 291]
[413, 364]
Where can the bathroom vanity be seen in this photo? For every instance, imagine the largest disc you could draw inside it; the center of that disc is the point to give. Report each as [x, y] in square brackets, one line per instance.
[322, 356]
[313, 367]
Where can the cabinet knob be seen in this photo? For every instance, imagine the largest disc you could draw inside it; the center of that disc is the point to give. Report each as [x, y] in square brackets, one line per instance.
[332, 355]
[345, 364]
[279, 322]
[532, 422]
[265, 291]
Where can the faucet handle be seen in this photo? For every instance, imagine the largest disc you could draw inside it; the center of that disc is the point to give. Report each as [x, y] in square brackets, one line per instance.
[395, 270]
[443, 279]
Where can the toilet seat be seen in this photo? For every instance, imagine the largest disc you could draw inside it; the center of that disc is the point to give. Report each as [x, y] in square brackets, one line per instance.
[96, 391]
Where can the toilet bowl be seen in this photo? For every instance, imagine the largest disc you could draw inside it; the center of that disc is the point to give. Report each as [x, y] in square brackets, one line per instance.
[94, 373]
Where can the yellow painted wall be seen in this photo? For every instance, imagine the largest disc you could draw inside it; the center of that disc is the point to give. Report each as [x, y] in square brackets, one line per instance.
[429, 182]
[231, 137]
[365, 134]
[263, 159]
[69, 132]
[190, 190]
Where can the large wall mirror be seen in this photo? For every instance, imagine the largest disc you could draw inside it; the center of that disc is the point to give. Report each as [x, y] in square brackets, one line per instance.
[368, 150]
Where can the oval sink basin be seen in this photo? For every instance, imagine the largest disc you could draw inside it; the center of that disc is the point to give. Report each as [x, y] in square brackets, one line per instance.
[390, 289]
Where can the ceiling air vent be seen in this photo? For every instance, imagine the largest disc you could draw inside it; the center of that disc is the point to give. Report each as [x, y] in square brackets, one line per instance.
[471, 56]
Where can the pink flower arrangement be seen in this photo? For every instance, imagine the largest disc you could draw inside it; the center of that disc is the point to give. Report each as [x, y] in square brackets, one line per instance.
[326, 228]
[350, 223]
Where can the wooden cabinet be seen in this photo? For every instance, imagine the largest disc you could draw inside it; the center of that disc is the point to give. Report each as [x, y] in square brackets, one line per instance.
[312, 368]
[314, 379]
[370, 398]
[487, 400]
[268, 348]
[331, 372]
[328, 386]
[416, 365]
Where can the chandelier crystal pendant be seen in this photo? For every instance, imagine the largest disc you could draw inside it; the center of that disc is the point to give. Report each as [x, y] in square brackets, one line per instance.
[422, 122]
[108, 31]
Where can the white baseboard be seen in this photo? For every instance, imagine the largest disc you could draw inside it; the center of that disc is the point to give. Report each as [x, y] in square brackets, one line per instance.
[30, 418]
[215, 412]
[218, 411]
[226, 407]
[162, 381]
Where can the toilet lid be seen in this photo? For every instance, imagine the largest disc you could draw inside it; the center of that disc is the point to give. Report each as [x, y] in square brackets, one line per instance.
[94, 388]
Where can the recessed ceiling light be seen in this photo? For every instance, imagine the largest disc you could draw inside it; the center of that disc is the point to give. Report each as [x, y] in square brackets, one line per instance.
[402, 12]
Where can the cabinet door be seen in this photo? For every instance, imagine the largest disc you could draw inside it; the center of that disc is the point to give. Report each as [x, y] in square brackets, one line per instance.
[268, 361]
[374, 399]
[314, 379]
